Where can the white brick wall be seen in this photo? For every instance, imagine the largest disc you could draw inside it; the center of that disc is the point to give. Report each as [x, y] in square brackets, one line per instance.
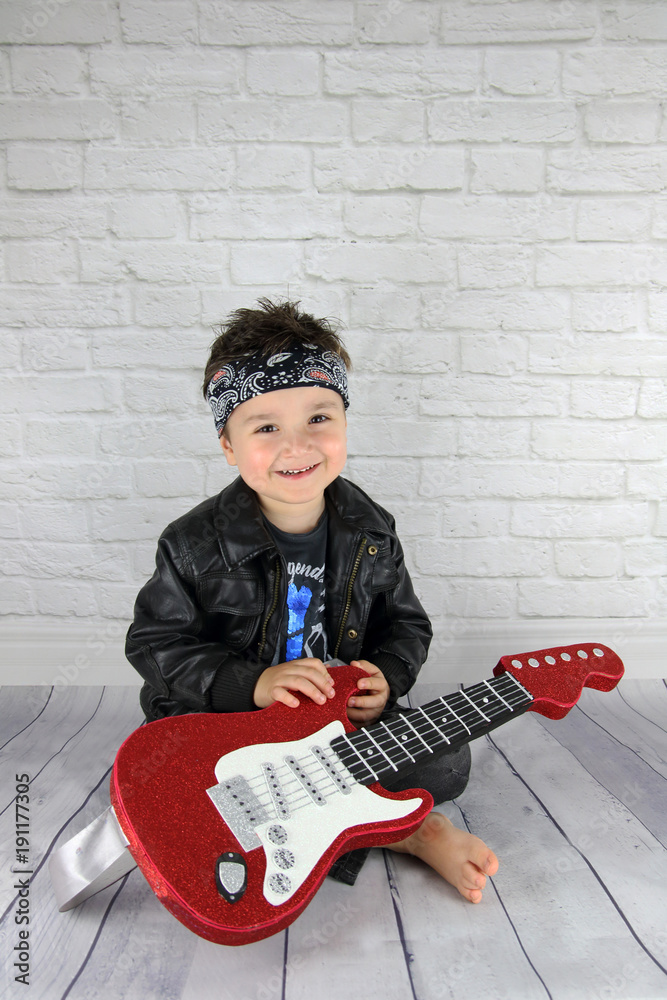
[475, 189]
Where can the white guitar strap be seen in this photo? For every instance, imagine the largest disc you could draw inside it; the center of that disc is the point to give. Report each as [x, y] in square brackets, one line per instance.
[90, 861]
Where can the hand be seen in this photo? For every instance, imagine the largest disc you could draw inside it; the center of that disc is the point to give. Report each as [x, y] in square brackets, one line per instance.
[307, 675]
[368, 705]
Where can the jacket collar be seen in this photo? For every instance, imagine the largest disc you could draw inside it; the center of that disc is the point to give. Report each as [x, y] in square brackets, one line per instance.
[242, 533]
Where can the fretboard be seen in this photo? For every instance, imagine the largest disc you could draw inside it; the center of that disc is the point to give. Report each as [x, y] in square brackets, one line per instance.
[384, 749]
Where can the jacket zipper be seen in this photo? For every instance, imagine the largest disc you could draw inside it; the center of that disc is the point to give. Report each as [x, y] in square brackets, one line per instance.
[348, 603]
[276, 587]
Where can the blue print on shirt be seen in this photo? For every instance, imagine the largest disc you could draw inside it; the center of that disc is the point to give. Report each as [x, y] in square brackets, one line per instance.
[297, 605]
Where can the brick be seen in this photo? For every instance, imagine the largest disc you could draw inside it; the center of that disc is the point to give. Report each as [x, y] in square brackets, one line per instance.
[58, 119]
[440, 478]
[645, 558]
[55, 22]
[604, 171]
[599, 440]
[44, 167]
[10, 526]
[501, 121]
[5, 72]
[36, 216]
[158, 170]
[478, 519]
[132, 520]
[57, 307]
[11, 348]
[367, 169]
[159, 72]
[600, 219]
[81, 480]
[42, 262]
[264, 216]
[507, 171]
[147, 216]
[172, 22]
[153, 260]
[661, 521]
[604, 311]
[173, 306]
[516, 310]
[600, 264]
[398, 437]
[38, 70]
[648, 481]
[395, 22]
[468, 598]
[158, 393]
[380, 308]
[11, 443]
[603, 398]
[265, 263]
[634, 21]
[594, 481]
[579, 520]
[615, 71]
[66, 600]
[494, 266]
[414, 520]
[387, 120]
[283, 74]
[375, 261]
[60, 437]
[496, 354]
[161, 479]
[301, 22]
[657, 313]
[65, 393]
[597, 355]
[584, 599]
[529, 21]
[481, 396]
[387, 216]
[53, 350]
[267, 121]
[523, 72]
[615, 121]
[653, 399]
[482, 557]
[387, 352]
[588, 559]
[158, 123]
[484, 437]
[160, 436]
[401, 71]
[384, 397]
[274, 167]
[490, 217]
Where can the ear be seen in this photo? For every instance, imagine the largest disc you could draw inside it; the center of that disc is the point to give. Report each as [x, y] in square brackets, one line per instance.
[226, 446]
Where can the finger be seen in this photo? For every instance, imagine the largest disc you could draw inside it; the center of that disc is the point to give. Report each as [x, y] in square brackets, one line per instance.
[286, 697]
[314, 689]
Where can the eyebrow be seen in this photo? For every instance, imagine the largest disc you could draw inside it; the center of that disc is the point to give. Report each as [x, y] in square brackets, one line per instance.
[328, 405]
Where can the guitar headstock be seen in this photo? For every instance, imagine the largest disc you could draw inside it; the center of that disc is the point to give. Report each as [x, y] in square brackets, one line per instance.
[555, 677]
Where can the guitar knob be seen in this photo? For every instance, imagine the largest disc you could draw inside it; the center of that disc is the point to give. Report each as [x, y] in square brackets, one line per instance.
[283, 858]
[231, 876]
[280, 883]
[277, 834]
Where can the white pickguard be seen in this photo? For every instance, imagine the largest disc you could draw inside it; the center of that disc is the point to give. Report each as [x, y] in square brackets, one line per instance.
[294, 845]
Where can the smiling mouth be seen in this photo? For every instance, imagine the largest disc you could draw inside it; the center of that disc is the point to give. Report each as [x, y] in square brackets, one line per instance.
[296, 472]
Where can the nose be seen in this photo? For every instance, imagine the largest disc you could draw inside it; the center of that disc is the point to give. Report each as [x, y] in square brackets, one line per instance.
[295, 441]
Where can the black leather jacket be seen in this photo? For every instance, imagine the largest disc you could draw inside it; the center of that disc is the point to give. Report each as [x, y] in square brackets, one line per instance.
[208, 621]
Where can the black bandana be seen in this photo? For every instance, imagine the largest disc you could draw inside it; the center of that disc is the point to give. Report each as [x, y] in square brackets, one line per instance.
[244, 378]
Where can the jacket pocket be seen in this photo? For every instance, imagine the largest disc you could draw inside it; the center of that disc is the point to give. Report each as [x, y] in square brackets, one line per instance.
[232, 607]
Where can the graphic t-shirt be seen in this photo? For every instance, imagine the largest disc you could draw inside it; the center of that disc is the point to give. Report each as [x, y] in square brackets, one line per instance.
[304, 621]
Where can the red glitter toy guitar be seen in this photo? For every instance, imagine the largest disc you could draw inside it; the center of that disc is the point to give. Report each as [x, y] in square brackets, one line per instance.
[235, 819]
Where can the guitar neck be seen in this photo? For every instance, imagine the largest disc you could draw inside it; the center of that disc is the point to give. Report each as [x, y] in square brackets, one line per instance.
[446, 723]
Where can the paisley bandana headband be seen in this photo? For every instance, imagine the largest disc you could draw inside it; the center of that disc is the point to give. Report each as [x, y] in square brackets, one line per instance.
[244, 378]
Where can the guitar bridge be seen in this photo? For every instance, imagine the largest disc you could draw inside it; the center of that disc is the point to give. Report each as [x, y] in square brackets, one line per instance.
[240, 808]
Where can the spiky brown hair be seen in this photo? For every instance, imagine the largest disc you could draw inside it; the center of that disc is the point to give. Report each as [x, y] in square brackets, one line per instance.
[267, 330]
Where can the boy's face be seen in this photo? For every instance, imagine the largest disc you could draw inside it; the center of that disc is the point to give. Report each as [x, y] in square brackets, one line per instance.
[288, 445]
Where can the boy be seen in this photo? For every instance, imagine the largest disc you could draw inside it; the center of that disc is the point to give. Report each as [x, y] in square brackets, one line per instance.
[289, 567]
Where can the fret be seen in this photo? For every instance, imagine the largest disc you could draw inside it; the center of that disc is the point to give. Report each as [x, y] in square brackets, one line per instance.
[405, 719]
[397, 741]
[348, 742]
[498, 695]
[485, 717]
[439, 731]
[456, 716]
[370, 737]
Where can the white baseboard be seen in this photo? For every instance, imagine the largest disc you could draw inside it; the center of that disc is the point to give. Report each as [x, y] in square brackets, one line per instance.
[61, 654]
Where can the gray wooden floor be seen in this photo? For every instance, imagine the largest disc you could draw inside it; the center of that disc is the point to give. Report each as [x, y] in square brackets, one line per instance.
[576, 810]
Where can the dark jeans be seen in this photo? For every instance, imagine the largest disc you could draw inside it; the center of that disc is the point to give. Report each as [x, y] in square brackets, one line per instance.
[445, 778]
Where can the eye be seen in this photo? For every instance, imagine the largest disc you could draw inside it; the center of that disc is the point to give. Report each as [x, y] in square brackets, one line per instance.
[319, 418]
[266, 429]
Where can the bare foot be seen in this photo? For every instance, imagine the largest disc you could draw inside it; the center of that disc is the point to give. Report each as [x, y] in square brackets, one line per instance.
[461, 858]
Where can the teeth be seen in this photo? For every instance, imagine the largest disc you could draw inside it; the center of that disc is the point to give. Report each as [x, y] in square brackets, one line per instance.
[295, 472]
